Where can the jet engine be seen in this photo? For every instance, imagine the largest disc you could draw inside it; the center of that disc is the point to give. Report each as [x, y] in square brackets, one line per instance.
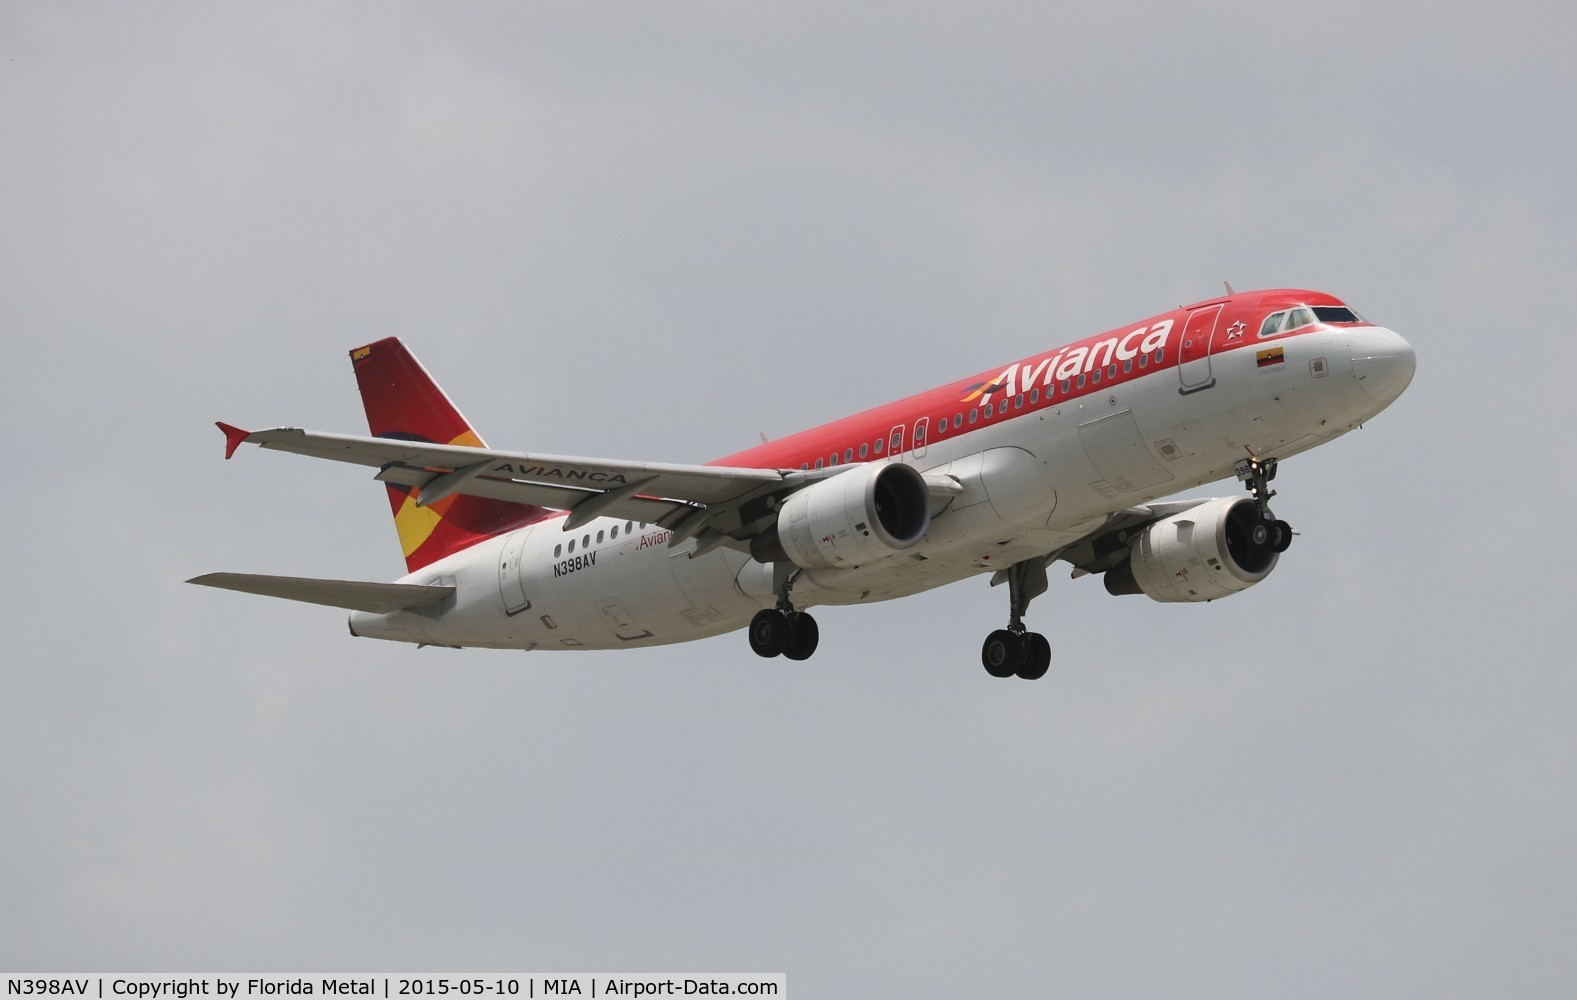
[1210, 551]
[855, 517]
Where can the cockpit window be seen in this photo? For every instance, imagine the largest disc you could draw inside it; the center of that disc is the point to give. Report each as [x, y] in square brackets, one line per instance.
[1300, 316]
[1336, 314]
[1272, 324]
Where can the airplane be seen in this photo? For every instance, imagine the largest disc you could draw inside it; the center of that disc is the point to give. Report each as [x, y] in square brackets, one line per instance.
[1061, 456]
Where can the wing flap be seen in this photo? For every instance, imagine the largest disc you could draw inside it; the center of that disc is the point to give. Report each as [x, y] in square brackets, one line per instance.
[378, 598]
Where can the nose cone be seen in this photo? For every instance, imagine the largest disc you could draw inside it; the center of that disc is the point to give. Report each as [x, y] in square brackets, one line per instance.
[1383, 363]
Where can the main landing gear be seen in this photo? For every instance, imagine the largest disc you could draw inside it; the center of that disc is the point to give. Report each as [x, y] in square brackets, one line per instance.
[782, 630]
[1016, 651]
[1270, 532]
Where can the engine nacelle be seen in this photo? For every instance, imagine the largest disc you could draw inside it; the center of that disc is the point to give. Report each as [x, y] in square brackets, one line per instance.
[867, 513]
[1198, 555]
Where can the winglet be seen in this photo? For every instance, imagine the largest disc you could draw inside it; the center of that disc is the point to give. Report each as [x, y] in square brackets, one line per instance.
[233, 436]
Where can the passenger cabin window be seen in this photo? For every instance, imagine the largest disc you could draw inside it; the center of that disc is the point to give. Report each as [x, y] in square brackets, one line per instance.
[820, 462]
[897, 440]
[848, 455]
[878, 446]
[958, 421]
[865, 449]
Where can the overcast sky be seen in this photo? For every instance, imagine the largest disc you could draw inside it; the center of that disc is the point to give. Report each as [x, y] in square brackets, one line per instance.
[653, 231]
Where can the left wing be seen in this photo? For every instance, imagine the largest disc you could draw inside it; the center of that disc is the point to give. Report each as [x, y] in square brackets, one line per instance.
[719, 504]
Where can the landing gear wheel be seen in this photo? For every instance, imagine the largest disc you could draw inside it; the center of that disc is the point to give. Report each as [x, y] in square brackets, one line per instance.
[1281, 533]
[771, 631]
[1037, 657]
[806, 635]
[1003, 653]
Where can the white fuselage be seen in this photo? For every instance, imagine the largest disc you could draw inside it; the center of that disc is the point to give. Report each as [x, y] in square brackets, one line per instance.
[1032, 480]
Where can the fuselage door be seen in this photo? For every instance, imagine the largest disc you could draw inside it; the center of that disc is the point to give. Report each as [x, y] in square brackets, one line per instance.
[511, 575]
[1193, 359]
[921, 426]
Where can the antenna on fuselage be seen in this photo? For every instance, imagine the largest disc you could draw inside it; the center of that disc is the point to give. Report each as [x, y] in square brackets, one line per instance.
[1230, 289]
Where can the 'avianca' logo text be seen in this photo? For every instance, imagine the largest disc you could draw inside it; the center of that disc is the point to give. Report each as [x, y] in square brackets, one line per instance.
[524, 471]
[1072, 361]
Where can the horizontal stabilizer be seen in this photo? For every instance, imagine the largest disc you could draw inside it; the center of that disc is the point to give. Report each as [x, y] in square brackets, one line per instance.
[378, 598]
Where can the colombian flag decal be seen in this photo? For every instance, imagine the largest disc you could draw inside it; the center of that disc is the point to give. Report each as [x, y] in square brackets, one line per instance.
[1270, 357]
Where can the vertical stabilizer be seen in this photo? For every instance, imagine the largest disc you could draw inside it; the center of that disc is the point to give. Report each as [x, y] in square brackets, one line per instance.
[404, 403]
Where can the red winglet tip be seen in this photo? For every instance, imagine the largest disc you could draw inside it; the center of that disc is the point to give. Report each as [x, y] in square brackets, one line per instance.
[233, 436]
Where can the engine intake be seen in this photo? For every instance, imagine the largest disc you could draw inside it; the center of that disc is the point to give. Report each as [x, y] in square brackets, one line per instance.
[1201, 554]
[855, 517]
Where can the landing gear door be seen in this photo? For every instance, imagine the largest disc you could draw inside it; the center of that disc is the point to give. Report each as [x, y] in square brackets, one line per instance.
[1193, 360]
[511, 573]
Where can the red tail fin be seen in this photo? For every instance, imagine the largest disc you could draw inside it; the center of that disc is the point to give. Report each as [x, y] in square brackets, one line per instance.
[403, 402]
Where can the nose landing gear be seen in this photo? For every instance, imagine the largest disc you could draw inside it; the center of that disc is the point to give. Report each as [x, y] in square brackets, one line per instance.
[1016, 651]
[1271, 532]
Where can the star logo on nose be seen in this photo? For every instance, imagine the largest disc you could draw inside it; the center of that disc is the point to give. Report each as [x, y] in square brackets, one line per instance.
[1235, 330]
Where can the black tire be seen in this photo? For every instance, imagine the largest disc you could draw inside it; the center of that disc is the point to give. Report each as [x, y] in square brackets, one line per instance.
[806, 635]
[1037, 657]
[1283, 533]
[1002, 653]
[770, 632]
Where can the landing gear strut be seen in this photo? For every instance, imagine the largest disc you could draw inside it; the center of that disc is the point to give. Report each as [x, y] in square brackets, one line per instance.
[1271, 532]
[782, 630]
[1015, 650]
